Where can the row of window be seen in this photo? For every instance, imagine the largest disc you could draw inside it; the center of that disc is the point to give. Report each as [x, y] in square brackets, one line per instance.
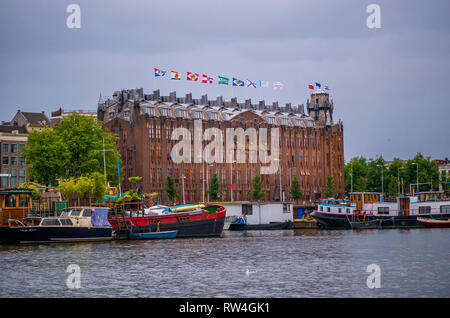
[347, 210]
[13, 201]
[12, 147]
[13, 161]
[12, 179]
[422, 209]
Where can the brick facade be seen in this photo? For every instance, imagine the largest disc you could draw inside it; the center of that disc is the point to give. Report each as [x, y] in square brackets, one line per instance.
[311, 147]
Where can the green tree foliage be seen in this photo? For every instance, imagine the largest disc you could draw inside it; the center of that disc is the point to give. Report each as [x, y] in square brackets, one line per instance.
[357, 165]
[296, 192]
[256, 192]
[70, 149]
[67, 187]
[98, 185]
[93, 184]
[330, 187]
[83, 185]
[170, 188]
[214, 187]
[134, 179]
[367, 174]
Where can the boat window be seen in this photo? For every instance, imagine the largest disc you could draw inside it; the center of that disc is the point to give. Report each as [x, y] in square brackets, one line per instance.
[50, 222]
[65, 213]
[383, 210]
[321, 208]
[445, 208]
[66, 221]
[87, 212]
[340, 210]
[10, 201]
[348, 210]
[23, 200]
[75, 212]
[424, 209]
[328, 209]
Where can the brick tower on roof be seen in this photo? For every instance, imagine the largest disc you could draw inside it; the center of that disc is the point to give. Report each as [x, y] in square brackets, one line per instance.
[320, 107]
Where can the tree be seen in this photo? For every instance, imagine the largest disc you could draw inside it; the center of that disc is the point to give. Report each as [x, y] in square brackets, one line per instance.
[374, 166]
[67, 187]
[214, 187]
[256, 192]
[427, 173]
[330, 188]
[135, 181]
[46, 152]
[71, 149]
[170, 188]
[357, 166]
[98, 186]
[296, 192]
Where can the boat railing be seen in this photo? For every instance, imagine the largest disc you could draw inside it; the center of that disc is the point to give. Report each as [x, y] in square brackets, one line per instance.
[15, 223]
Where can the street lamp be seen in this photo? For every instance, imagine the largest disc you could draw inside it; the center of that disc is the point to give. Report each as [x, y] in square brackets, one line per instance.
[417, 165]
[398, 179]
[382, 185]
[203, 181]
[182, 182]
[351, 177]
[231, 177]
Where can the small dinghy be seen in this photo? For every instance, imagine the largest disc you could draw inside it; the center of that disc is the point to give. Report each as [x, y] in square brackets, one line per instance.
[150, 235]
[433, 223]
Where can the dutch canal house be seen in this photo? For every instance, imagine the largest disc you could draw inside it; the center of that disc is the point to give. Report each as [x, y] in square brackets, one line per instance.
[311, 144]
[13, 137]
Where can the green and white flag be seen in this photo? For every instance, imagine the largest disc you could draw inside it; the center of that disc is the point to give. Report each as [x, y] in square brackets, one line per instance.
[223, 80]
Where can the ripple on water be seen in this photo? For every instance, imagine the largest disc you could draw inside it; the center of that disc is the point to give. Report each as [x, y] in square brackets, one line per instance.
[299, 263]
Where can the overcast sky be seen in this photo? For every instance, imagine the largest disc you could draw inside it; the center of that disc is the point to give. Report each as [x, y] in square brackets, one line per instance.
[390, 85]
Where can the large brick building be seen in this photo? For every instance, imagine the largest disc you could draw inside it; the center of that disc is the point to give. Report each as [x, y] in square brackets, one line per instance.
[311, 145]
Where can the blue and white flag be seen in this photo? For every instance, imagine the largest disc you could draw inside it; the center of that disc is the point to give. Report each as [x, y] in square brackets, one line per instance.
[159, 72]
[318, 85]
[237, 82]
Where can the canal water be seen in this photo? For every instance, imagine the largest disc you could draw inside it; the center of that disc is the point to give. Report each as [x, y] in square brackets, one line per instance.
[291, 263]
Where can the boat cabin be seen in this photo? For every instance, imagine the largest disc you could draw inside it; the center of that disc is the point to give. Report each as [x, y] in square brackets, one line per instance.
[336, 206]
[46, 221]
[14, 204]
[361, 198]
[75, 217]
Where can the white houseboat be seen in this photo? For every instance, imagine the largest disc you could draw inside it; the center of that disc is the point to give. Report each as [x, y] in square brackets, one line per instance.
[258, 215]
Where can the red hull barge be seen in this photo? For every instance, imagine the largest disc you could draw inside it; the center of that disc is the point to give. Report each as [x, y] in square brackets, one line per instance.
[208, 221]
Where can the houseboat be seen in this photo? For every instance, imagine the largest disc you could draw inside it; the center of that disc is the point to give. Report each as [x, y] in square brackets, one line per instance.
[368, 210]
[248, 215]
[188, 220]
[15, 203]
[80, 224]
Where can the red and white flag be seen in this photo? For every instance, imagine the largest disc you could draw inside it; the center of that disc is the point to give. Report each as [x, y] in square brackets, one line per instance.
[207, 79]
[192, 76]
[277, 85]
